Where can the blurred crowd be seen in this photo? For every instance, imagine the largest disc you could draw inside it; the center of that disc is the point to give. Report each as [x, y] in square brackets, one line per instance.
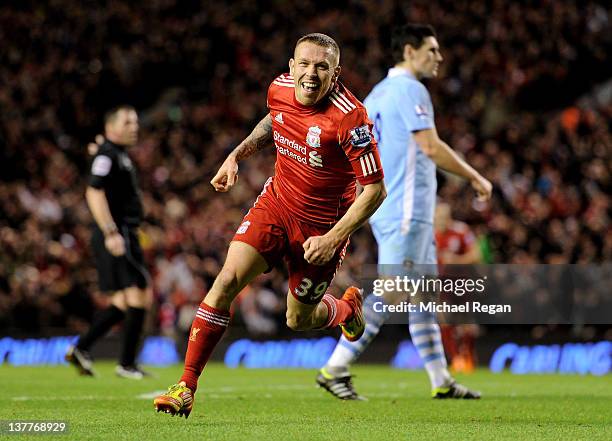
[508, 98]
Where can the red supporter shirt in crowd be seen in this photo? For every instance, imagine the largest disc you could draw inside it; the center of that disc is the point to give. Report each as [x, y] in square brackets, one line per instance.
[320, 151]
[457, 239]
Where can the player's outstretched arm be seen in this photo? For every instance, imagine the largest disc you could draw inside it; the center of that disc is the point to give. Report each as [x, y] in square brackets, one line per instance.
[260, 137]
[447, 159]
[319, 250]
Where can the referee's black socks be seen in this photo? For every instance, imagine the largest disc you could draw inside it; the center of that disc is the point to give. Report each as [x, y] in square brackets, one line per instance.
[132, 330]
[102, 323]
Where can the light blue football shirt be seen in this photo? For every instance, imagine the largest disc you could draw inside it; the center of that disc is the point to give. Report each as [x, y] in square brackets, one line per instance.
[400, 105]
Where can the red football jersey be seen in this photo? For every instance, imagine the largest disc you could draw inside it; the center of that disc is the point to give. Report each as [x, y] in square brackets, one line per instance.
[458, 239]
[320, 151]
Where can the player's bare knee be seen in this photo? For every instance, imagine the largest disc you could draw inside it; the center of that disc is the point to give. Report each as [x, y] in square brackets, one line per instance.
[228, 282]
[298, 321]
[293, 323]
[226, 286]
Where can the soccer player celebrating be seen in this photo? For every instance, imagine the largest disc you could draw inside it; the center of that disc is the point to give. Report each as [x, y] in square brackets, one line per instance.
[403, 226]
[304, 214]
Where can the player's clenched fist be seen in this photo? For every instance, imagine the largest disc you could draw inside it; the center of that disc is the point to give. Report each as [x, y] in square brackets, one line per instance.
[227, 175]
[318, 250]
[483, 188]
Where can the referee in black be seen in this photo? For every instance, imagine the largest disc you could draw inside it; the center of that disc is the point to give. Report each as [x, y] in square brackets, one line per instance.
[114, 200]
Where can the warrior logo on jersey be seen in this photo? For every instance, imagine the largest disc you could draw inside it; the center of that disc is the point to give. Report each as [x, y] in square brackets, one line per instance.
[361, 136]
[313, 138]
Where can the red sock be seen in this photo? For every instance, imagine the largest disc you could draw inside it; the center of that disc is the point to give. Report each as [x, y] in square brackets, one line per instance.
[338, 311]
[207, 328]
[470, 347]
[448, 340]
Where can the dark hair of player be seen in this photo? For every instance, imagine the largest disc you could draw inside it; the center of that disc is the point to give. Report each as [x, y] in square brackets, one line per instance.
[413, 34]
[321, 40]
[111, 114]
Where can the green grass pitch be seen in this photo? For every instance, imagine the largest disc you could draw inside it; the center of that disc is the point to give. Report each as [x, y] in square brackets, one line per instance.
[243, 404]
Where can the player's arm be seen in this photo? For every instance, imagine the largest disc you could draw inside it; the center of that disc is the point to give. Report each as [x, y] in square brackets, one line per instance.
[320, 249]
[260, 137]
[356, 139]
[447, 159]
[98, 205]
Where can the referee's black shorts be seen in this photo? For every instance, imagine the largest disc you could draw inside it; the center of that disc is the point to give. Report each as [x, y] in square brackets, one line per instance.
[117, 273]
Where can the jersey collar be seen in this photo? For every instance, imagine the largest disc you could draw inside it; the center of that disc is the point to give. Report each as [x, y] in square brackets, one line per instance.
[397, 71]
[322, 103]
[112, 144]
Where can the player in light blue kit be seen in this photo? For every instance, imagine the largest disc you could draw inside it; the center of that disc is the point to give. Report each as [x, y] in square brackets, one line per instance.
[410, 150]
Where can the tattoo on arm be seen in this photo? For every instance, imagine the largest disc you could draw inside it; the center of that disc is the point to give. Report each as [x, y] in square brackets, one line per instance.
[260, 137]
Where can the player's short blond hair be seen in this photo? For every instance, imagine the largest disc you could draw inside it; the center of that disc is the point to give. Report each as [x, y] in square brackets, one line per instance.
[321, 40]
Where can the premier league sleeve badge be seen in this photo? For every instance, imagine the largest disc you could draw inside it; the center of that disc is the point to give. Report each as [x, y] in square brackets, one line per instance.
[360, 136]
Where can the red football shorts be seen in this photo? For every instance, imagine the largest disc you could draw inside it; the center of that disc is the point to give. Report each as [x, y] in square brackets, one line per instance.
[276, 235]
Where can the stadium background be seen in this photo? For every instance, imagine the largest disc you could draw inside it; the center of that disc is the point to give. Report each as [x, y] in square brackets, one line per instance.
[524, 93]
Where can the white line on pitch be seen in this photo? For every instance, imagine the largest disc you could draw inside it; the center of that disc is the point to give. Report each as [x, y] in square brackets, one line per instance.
[210, 392]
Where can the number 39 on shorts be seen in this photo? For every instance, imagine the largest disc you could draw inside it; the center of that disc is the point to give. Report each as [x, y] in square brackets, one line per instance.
[303, 289]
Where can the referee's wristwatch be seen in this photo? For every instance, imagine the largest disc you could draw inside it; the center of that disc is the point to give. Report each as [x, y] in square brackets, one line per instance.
[110, 229]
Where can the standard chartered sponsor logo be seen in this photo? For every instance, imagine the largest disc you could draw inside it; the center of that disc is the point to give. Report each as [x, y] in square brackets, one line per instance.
[291, 148]
[287, 152]
[292, 144]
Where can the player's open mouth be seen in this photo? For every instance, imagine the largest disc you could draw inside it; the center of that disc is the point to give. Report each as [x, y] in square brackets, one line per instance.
[310, 87]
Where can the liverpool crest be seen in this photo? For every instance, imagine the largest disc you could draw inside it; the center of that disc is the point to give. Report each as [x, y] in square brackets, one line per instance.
[194, 334]
[313, 138]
